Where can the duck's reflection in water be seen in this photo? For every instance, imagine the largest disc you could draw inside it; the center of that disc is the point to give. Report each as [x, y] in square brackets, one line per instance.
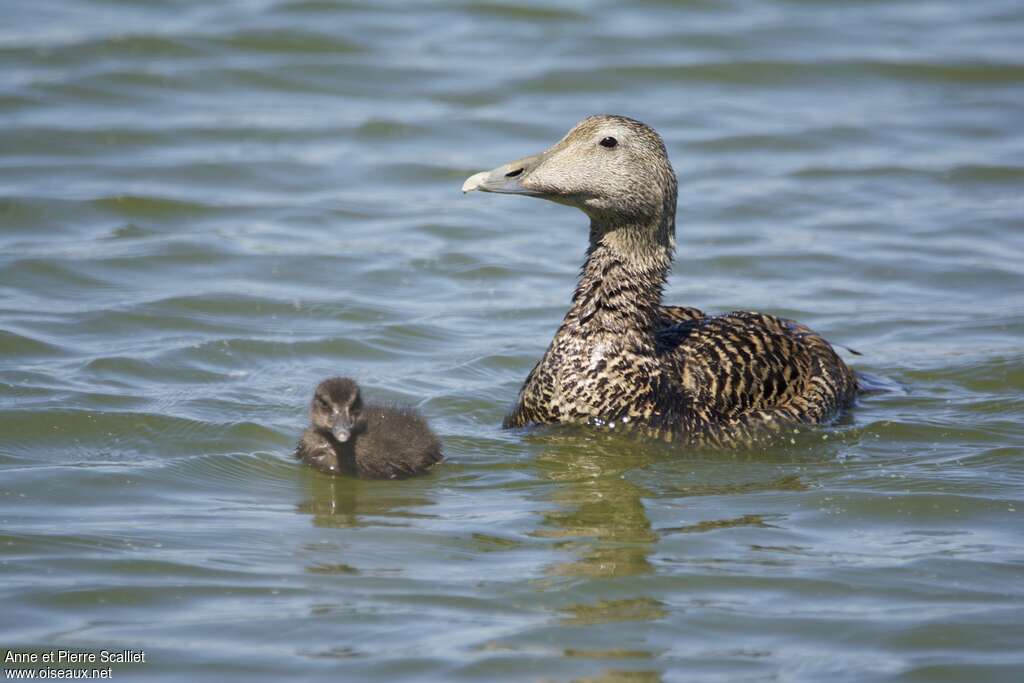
[600, 514]
[599, 517]
[603, 485]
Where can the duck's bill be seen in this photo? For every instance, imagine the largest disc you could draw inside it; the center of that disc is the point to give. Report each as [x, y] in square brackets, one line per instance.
[506, 179]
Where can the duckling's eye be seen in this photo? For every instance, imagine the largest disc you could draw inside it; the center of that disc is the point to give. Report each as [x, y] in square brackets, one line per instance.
[609, 142]
[322, 402]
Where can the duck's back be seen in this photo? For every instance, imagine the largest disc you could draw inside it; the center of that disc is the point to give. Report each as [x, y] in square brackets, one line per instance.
[397, 443]
[744, 372]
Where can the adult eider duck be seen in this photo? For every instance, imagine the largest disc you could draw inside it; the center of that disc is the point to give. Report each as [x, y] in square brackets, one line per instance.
[346, 436]
[620, 357]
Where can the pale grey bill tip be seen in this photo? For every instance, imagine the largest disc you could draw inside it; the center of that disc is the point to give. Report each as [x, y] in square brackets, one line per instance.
[474, 182]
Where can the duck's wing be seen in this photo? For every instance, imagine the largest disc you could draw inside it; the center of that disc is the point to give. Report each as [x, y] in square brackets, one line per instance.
[671, 315]
[674, 325]
[751, 367]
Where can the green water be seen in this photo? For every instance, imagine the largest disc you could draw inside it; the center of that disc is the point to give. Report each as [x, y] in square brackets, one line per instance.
[206, 207]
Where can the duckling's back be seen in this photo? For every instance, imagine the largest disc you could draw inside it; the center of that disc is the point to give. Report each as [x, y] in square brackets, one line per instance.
[396, 443]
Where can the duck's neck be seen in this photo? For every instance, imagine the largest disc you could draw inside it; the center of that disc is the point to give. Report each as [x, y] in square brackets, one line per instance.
[620, 286]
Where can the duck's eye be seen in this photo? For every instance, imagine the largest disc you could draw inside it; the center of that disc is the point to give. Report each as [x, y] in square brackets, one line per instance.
[322, 402]
[609, 142]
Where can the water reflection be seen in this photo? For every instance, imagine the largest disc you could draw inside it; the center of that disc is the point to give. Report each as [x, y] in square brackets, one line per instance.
[609, 611]
[604, 480]
[600, 510]
[345, 502]
[619, 676]
[712, 524]
[606, 488]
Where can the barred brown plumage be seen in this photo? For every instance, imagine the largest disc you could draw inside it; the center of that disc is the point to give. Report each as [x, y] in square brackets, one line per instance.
[621, 357]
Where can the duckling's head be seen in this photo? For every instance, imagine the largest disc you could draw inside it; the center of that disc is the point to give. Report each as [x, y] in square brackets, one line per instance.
[336, 408]
[614, 168]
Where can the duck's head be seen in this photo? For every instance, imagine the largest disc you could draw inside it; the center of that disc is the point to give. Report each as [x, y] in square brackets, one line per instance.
[614, 168]
[336, 408]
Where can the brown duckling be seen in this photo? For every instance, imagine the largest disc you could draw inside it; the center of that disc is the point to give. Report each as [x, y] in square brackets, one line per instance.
[369, 441]
[621, 357]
